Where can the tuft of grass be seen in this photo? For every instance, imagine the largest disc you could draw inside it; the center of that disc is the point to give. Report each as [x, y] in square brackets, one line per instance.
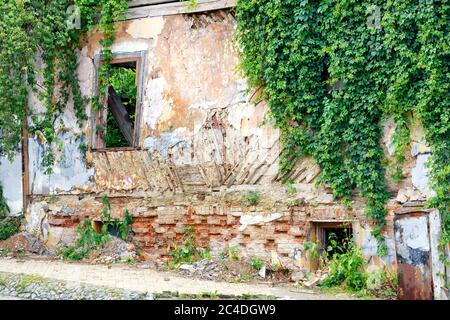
[233, 253]
[251, 198]
[257, 264]
[27, 280]
[291, 190]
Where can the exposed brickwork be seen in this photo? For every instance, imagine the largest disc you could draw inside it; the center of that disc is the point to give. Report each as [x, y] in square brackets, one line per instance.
[216, 229]
[257, 231]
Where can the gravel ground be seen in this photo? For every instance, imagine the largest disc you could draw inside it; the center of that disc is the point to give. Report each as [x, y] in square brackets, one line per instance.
[38, 288]
[143, 280]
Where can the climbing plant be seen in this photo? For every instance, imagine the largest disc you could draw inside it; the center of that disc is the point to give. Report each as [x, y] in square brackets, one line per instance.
[333, 70]
[38, 53]
[9, 225]
[4, 208]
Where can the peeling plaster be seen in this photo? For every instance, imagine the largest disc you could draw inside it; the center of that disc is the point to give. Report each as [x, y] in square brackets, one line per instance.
[36, 220]
[146, 28]
[413, 235]
[10, 179]
[438, 266]
[413, 245]
[417, 135]
[166, 141]
[389, 131]
[130, 45]
[85, 72]
[69, 171]
[251, 219]
[369, 245]
[154, 102]
[419, 175]
[200, 132]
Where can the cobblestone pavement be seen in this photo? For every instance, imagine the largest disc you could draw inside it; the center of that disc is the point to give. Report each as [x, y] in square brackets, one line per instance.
[35, 287]
[147, 280]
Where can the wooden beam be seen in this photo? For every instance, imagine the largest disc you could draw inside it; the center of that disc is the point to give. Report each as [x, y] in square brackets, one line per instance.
[140, 3]
[25, 164]
[121, 114]
[171, 8]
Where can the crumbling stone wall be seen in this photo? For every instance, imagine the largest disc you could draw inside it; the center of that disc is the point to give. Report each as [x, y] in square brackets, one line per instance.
[203, 145]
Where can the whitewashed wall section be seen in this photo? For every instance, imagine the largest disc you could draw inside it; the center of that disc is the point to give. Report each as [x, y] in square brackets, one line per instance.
[70, 171]
[11, 180]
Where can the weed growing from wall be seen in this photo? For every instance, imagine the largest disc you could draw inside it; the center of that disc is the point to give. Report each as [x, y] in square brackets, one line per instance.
[251, 198]
[188, 251]
[256, 263]
[89, 240]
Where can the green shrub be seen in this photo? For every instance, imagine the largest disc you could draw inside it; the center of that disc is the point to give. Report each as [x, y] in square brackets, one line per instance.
[346, 266]
[121, 228]
[380, 284]
[311, 249]
[251, 198]
[9, 226]
[291, 190]
[4, 209]
[257, 264]
[188, 251]
[233, 253]
[88, 239]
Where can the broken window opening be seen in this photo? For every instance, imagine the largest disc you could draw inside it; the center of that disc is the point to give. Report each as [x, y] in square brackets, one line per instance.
[335, 239]
[117, 124]
[121, 111]
[98, 228]
[331, 237]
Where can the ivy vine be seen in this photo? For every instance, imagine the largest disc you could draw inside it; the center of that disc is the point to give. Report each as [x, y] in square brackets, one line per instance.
[38, 52]
[333, 70]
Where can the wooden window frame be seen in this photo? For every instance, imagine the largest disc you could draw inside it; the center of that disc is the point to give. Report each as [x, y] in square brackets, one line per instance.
[155, 8]
[100, 116]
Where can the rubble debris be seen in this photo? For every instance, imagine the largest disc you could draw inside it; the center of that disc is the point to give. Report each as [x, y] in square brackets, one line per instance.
[206, 269]
[276, 263]
[262, 272]
[24, 242]
[223, 269]
[316, 278]
[298, 276]
[115, 250]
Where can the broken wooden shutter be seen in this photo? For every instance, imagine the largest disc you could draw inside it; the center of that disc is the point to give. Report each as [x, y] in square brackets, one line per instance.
[121, 115]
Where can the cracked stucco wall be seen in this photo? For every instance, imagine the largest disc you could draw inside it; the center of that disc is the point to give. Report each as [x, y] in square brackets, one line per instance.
[198, 124]
[203, 145]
